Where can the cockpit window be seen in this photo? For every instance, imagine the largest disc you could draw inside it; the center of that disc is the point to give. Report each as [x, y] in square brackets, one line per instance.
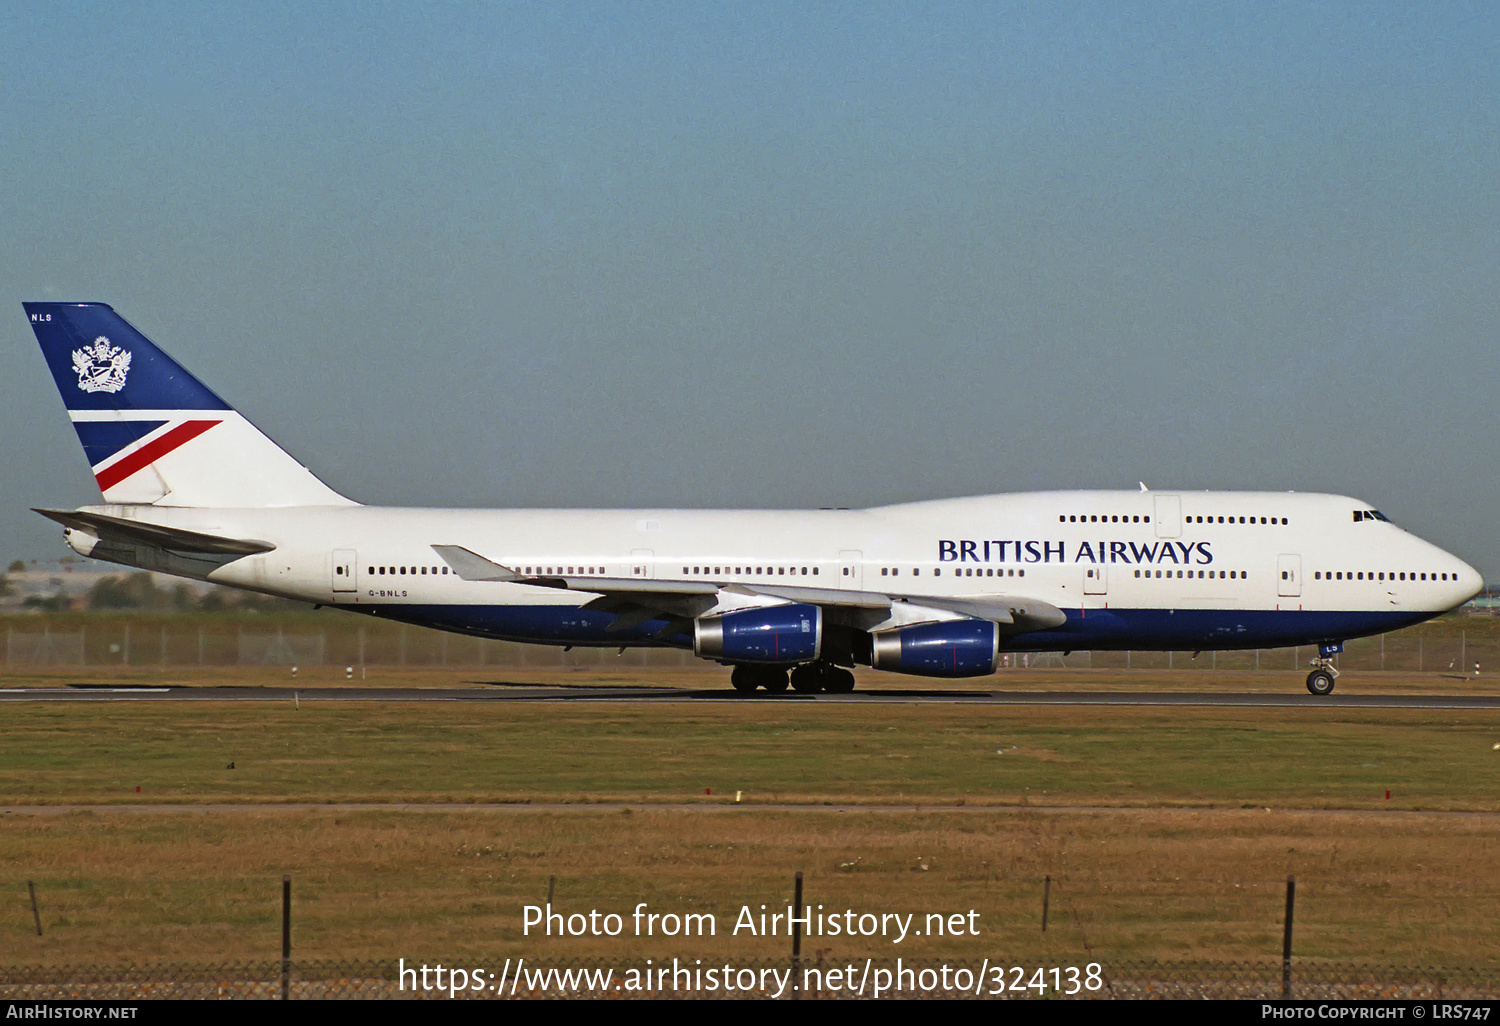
[1370, 514]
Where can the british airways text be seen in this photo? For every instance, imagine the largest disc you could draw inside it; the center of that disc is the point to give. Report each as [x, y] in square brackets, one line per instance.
[1008, 551]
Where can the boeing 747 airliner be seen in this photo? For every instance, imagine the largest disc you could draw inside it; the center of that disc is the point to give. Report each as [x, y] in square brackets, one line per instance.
[796, 598]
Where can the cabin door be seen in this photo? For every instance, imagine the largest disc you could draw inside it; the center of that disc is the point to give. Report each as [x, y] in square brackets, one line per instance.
[344, 562]
[1094, 581]
[1289, 575]
[852, 569]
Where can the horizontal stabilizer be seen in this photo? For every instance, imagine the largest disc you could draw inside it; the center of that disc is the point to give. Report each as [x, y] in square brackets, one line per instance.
[173, 539]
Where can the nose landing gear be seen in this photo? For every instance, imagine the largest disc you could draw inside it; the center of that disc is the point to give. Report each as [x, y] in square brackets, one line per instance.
[1320, 681]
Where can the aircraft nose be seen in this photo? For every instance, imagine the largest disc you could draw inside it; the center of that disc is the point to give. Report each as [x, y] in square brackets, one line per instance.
[1470, 582]
[1464, 582]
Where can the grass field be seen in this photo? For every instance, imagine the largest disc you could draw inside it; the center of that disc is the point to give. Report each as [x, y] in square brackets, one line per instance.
[1169, 832]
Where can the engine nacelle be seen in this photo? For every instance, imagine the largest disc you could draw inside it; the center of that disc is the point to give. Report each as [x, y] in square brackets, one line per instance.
[950, 648]
[790, 633]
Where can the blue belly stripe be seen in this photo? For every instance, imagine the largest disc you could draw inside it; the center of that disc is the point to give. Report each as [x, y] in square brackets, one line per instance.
[1112, 629]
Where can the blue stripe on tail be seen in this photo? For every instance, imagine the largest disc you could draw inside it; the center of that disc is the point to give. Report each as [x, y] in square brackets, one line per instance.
[103, 438]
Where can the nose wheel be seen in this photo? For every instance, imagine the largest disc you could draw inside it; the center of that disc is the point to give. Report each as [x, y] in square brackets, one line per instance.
[1320, 681]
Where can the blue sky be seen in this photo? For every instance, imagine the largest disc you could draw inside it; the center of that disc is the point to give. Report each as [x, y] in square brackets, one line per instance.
[777, 254]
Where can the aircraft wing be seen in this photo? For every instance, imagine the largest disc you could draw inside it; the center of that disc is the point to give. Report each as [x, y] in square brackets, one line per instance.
[638, 600]
[173, 539]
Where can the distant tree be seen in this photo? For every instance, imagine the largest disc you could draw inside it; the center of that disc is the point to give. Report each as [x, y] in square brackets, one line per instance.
[17, 566]
[133, 592]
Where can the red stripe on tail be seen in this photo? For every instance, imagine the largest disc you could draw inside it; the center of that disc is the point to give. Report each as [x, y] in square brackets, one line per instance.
[151, 452]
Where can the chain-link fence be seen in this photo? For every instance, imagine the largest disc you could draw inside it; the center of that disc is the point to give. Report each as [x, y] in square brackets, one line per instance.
[783, 978]
[1458, 646]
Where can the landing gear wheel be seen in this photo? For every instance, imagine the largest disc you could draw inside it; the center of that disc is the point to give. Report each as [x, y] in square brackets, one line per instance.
[1320, 682]
[743, 679]
[840, 682]
[774, 680]
[809, 679]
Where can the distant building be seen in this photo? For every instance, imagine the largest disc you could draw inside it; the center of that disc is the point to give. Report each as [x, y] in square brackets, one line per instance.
[65, 583]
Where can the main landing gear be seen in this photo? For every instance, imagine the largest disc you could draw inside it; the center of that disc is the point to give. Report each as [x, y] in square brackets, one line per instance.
[1320, 681]
[806, 679]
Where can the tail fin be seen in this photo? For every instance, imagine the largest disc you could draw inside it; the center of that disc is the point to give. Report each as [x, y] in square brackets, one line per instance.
[152, 432]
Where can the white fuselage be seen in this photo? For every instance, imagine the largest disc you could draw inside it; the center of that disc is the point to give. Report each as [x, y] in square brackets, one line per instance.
[1208, 558]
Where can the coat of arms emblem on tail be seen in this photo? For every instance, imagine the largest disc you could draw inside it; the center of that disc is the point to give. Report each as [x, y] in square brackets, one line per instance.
[101, 367]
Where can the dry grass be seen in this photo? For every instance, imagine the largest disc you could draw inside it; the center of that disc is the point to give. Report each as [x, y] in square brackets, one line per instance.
[1158, 833]
[451, 886]
[1312, 757]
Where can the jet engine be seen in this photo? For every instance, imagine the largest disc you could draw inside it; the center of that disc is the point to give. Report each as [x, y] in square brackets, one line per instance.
[791, 633]
[949, 648]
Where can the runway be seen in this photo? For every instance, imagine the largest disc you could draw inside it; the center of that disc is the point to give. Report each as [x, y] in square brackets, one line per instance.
[495, 692]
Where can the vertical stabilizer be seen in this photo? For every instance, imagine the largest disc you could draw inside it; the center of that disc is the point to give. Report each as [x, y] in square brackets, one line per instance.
[152, 432]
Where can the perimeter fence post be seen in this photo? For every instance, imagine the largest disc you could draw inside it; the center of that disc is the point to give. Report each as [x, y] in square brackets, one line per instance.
[1286, 940]
[36, 915]
[1046, 900]
[286, 937]
[797, 936]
